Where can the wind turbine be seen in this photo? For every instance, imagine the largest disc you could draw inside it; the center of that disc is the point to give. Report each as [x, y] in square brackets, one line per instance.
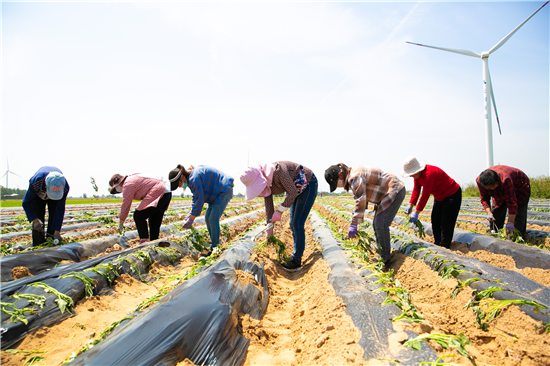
[487, 86]
[6, 174]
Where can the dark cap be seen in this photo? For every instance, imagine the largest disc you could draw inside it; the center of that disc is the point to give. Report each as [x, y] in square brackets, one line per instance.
[331, 176]
[115, 180]
[174, 177]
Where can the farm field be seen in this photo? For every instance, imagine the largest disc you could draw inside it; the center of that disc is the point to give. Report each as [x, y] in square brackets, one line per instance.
[101, 298]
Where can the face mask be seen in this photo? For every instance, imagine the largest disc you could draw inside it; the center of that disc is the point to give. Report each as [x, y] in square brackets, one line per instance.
[118, 189]
[340, 183]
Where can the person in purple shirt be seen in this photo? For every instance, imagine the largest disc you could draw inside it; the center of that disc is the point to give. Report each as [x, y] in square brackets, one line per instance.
[47, 186]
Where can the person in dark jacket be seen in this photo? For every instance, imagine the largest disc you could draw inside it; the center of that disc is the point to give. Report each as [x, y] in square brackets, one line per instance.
[48, 186]
[510, 189]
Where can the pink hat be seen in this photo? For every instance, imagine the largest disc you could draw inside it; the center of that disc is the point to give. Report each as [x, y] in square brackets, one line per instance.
[254, 181]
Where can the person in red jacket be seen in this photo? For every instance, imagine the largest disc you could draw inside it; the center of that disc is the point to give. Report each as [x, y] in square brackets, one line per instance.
[447, 198]
[511, 190]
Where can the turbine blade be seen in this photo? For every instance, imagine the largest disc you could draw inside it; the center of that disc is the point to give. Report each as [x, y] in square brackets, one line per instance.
[493, 99]
[461, 52]
[502, 41]
[15, 174]
[5, 174]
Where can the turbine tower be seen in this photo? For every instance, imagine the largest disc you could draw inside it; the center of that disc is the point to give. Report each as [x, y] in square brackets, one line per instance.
[7, 173]
[487, 86]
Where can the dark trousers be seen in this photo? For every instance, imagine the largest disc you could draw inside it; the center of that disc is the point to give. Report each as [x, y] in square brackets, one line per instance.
[39, 208]
[520, 222]
[155, 215]
[444, 214]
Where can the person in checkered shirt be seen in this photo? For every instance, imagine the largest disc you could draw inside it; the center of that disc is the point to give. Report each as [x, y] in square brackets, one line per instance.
[510, 189]
[370, 184]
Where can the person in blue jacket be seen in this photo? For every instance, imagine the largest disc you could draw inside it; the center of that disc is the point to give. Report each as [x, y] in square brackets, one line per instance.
[208, 185]
[48, 186]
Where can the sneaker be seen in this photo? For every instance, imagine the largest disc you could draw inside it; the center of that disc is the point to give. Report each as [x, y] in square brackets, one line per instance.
[291, 265]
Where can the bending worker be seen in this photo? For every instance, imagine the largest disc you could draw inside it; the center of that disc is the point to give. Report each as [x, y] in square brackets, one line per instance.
[300, 185]
[511, 190]
[370, 184]
[208, 185]
[447, 198]
[49, 187]
[155, 199]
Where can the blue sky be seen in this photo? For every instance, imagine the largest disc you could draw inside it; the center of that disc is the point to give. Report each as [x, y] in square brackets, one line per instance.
[103, 88]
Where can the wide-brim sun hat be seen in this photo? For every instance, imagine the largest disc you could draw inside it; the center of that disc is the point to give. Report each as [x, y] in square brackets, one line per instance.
[174, 177]
[115, 180]
[254, 182]
[55, 185]
[412, 166]
[331, 176]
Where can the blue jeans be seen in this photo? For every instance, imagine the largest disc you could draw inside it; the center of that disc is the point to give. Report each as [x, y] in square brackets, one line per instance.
[382, 222]
[212, 217]
[299, 211]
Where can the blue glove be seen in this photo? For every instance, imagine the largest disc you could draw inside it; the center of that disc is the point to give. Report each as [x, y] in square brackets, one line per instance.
[352, 230]
[414, 217]
[408, 210]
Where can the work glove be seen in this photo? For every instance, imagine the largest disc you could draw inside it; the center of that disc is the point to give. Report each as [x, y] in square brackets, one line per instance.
[57, 236]
[490, 216]
[276, 216]
[120, 228]
[352, 231]
[510, 228]
[268, 233]
[414, 218]
[408, 210]
[188, 222]
[38, 226]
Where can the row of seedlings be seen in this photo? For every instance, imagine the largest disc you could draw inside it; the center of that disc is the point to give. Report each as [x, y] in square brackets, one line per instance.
[66, 290]
[532, 298]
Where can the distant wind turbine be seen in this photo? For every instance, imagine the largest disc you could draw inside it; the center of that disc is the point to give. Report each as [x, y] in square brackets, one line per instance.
[487, 86]
[7, 173]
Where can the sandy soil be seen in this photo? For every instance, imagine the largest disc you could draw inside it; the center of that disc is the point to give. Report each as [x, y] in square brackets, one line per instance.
[513, 338]
[305, 323]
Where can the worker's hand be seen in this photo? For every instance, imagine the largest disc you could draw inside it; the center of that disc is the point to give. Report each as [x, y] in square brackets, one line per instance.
[352, 231]
[276, 216]
[268, 233]
[510, 228]
[38, 225]
[408, 210]
[188, 222]
[490, 216]
[414, 218]
[120, 228]
[57, 236]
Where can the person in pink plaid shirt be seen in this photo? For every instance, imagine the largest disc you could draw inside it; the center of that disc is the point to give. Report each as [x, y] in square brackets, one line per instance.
[373, 185]
[155, 198]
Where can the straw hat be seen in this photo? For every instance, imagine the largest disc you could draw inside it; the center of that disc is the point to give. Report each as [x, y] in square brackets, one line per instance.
[412, 166]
